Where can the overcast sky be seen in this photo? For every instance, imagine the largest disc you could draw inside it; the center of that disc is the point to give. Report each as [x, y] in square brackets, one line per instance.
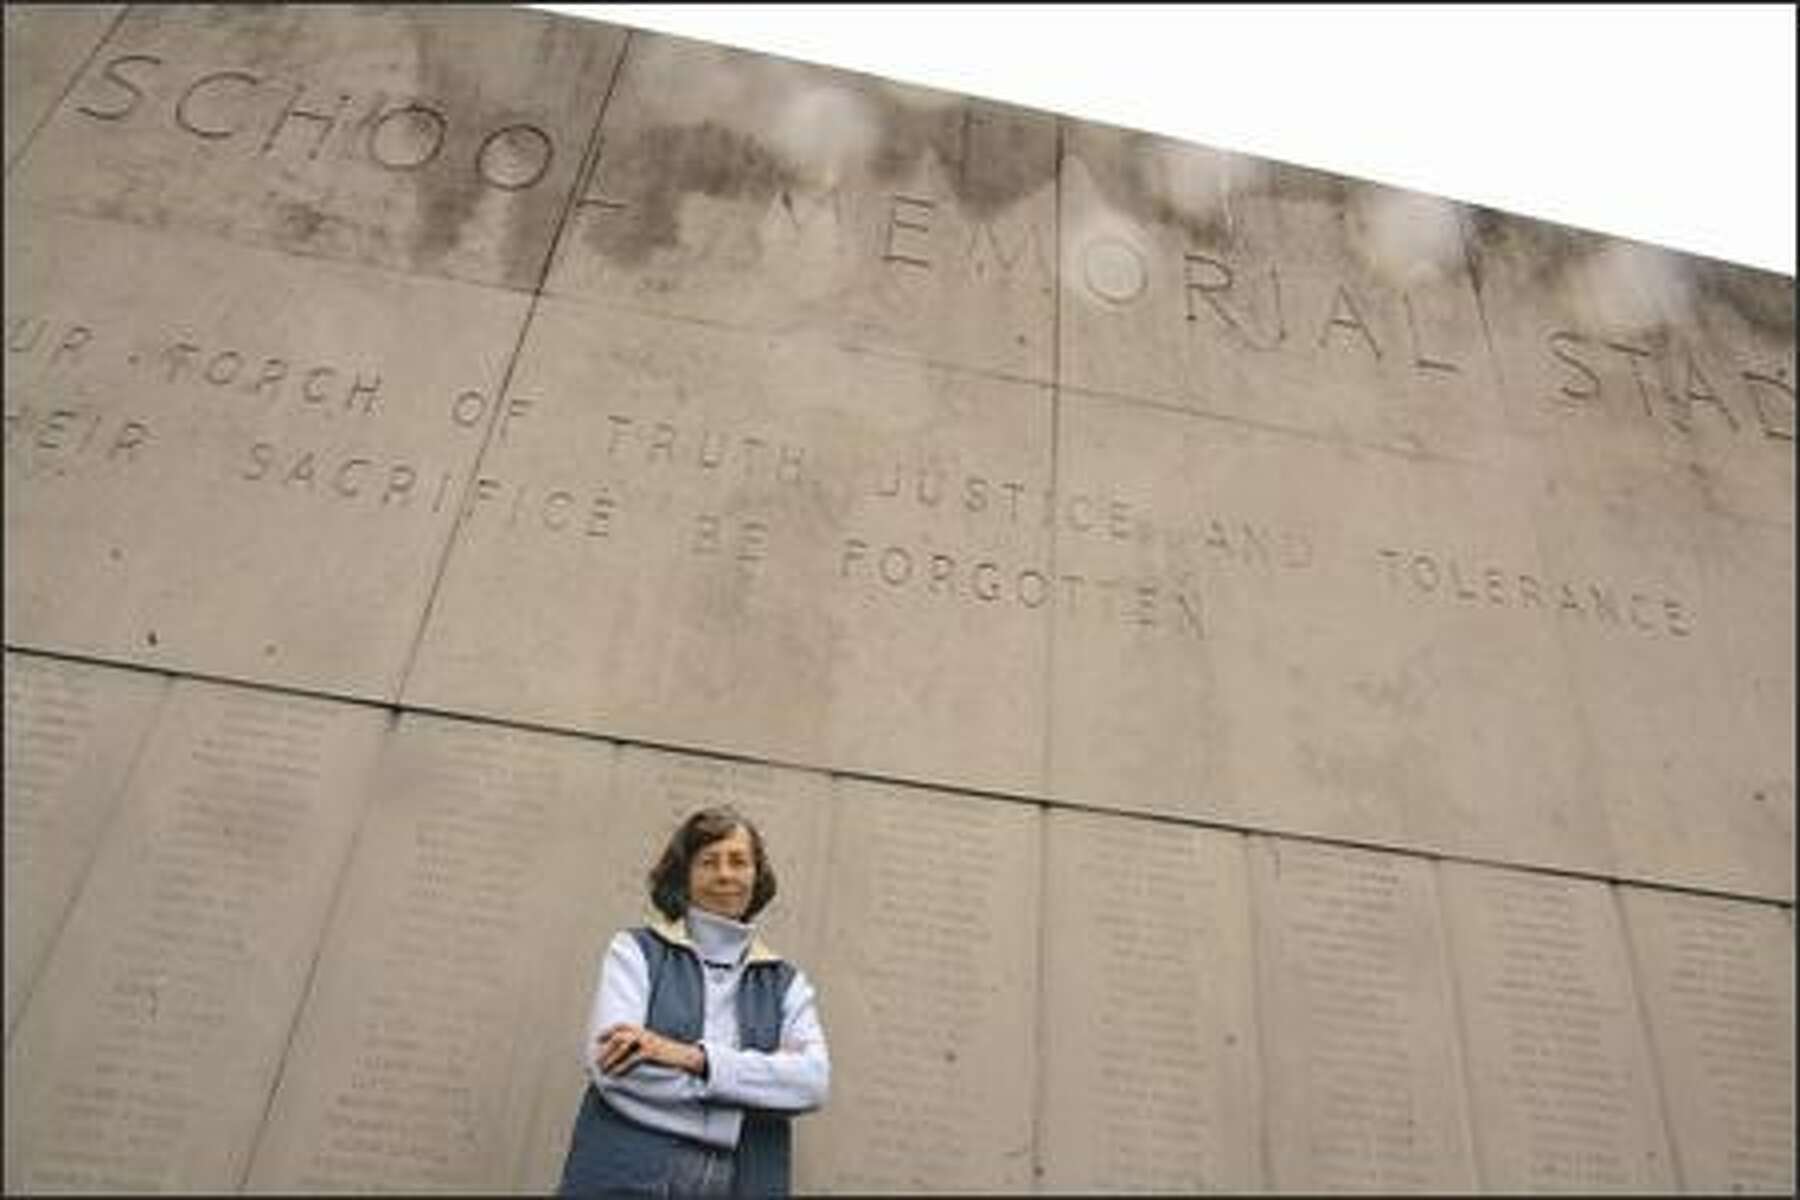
[1671, 124]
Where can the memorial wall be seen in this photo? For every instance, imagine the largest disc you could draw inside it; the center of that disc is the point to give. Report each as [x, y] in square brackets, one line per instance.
[1253, 680]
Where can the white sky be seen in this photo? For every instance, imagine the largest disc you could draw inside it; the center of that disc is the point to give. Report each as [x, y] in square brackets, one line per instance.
[1672, 124]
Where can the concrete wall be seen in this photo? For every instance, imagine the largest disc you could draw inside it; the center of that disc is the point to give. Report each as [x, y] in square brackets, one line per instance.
[1254, 680]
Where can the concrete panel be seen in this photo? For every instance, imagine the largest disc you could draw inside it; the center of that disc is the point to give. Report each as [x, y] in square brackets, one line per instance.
[1660, 379]
[437, 1049]
[230, 461]
[148, 1053]
[445, 142]
[1272, 294]
[1152, 1082]
[1661, 656]
[1367, 654]
[73, 731]
[45, 45]
[768, 194]
[928, 981]
[1563, 1092]
[1365, 1083]
[761, 545]
[1717, 978]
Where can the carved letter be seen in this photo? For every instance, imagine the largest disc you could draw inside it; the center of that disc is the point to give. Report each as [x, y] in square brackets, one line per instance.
[1420, 360]
[262, 457]
[210, 131]
[1699, 391]
[1560, 341]
[1631, 355]
[112, 74]
[855, 549]
[131, 435]
[512, 174]
[1780, 384]
[1344, 315]
[434, 142]
[77, 337]
[293, 110]
[919, 211]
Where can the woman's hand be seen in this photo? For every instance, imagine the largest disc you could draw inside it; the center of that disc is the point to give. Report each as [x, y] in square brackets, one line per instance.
[622, 1047]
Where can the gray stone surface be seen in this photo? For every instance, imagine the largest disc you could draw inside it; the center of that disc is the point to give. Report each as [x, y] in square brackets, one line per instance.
[1654, 378]
[395, 136]
[1717, 978]
[1211, 643]
[1676, 688]
[146, 1056]
[45, 45]
[1564, 1094]
[758, 544]
[1355, 657]
[1151, 1081]
[768, 194]
[73, 732]
[438, 1046]
[1366, 1083]
[232, 461]
[1270, 294]
[928, 976]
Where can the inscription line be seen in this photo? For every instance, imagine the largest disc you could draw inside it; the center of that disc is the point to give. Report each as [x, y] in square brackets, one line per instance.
[503, 392]
[62, 97]
[974, 791]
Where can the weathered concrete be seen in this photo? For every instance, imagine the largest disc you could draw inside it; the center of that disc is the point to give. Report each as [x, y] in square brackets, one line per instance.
[1215, 647]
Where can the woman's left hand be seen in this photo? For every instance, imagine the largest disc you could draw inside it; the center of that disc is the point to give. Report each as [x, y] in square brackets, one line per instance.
[623, 1046]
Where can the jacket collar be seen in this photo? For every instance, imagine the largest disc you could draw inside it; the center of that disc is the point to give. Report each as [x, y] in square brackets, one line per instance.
[675, 933]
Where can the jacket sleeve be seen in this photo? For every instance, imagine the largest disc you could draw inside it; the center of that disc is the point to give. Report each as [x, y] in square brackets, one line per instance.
[794, 1078]
[650, 1094]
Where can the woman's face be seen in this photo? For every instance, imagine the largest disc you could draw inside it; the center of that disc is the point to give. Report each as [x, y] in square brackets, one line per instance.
[722, 874]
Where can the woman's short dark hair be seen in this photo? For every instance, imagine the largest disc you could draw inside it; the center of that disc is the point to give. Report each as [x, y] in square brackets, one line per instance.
[669, 878]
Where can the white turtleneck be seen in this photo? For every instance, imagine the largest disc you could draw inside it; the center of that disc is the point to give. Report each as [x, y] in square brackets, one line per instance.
[794, 1078]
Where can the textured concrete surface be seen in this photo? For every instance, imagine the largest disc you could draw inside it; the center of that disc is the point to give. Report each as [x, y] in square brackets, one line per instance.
[160, 1024]
[1253, 680]
[1565, 1097]
[44, 46]
[1151, 1080]
[1367, 1088]
[72, 735]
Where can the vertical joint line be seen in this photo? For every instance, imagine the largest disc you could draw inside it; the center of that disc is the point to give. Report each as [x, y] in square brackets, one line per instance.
[1459, 1018]
[1635, 973]
[62, 96]
[459, 510]
[107, 825]
[327, 926]
[1056, 383]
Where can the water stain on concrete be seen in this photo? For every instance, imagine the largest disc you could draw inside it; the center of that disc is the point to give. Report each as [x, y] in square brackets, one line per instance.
[991, 155]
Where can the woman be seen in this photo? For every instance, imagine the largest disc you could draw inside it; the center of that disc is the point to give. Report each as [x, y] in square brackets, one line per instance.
[703, 1042]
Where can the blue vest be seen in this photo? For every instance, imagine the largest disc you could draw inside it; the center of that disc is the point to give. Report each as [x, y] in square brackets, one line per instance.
[610, 1153]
